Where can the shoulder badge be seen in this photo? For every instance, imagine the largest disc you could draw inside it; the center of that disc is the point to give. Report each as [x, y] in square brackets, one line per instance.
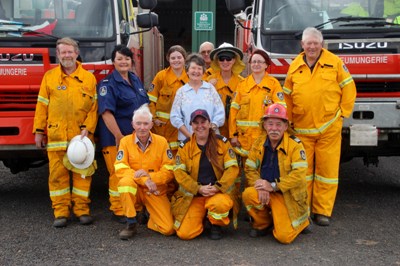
[169, 154]
[178, 159]
[295, 139]
[103, 91]
[232, 153]
[303, 155]
[151, 88]
[120, 155]
[345, 68]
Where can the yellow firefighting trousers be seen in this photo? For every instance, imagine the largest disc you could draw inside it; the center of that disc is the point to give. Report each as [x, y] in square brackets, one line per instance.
[274, 213]
[133, 196]
[62, 198]
[323, 157]
[218, 207]
[109, 154]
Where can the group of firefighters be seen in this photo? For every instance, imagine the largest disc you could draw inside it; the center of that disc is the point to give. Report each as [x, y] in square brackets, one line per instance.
[277, 151]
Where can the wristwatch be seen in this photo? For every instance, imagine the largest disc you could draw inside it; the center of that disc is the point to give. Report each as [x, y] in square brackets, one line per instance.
[274, 186]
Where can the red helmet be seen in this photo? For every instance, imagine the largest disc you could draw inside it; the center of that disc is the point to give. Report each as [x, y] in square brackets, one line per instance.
[276, 110]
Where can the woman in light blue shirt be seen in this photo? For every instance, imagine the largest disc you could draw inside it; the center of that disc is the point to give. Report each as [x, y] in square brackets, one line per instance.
[196, 94]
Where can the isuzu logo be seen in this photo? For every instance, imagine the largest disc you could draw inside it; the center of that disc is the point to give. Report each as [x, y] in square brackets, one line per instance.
[362, 45]
[16, 57]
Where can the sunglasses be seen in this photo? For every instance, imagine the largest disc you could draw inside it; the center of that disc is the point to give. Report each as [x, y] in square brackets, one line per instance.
[224, 58]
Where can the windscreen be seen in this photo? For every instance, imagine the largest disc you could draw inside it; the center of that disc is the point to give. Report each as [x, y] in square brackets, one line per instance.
[330, 14]
[79, 19]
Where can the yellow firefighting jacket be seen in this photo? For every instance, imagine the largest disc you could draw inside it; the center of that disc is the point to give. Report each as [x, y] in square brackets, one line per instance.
[249, 106]
[66, 104]
[186, 172]
[157, 160]
[292, 168]
[162, 95]
[226, 92]
[315, 100]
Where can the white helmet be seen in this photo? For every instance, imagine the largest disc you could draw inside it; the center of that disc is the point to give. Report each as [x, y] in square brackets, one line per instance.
[80, 152]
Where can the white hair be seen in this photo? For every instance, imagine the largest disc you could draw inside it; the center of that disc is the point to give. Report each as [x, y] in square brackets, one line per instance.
[310, 31]
[204, 44]
[142, 111]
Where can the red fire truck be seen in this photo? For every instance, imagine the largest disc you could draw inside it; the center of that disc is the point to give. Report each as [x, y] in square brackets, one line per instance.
[29, 30]
[364, 33]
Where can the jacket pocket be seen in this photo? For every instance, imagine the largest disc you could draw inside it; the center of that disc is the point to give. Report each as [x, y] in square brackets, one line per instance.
[87, 100]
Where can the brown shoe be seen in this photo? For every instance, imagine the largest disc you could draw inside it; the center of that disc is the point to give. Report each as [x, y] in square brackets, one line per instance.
[128, 232]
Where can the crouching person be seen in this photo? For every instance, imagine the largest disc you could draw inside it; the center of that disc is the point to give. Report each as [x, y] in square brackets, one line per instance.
[144, 167]
[276, 193]
[206, 169]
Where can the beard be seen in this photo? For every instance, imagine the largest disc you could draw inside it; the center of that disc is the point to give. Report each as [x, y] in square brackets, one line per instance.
[68, 63]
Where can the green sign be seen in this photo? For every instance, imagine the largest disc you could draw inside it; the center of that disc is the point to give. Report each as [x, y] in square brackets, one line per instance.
[203, 20]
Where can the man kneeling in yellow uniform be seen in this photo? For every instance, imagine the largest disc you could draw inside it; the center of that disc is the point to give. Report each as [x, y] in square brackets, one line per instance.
[144, 166]
[276, 178]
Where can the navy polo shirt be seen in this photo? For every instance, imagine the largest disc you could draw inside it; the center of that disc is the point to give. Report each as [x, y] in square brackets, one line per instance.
[122, 99]
[269, 166]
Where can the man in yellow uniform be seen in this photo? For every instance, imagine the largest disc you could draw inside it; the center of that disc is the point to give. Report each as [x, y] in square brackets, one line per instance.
[205, 50]
[144, 166]
[66, 107]
[276, 178]
[319, 92]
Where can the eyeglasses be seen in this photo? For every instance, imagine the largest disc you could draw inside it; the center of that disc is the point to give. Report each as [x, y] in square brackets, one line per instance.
[224, 58]
[205, 52]
[257, 62]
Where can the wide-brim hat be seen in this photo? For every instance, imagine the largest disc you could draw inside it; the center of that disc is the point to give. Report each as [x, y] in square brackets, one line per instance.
[226, 47]
[80, 152]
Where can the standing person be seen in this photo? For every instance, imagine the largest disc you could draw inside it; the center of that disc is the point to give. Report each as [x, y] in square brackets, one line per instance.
[227, 65]
[276, 178]
[144, 167]
[66, 107]
[253, 96]
[162, 94]
[319, 92]
[196, 94]
[206, 169]
[120, 94]
[205, 50]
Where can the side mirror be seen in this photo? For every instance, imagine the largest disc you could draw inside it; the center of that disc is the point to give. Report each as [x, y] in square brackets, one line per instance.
[235, 6]
[147, 20]
[148, 4]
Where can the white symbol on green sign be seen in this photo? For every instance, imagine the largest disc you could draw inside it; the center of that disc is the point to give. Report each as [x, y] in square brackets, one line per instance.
[203, 20]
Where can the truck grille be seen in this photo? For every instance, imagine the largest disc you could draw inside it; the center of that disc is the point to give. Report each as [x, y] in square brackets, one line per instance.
[18, 101]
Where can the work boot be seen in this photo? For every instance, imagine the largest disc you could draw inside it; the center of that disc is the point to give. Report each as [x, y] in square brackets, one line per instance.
[321, 220]
[309, 228]
[85, 219]
[215, 232]
[60, 222]
[128, 232]
[142, 216]
[258, 232]
[119, 218]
